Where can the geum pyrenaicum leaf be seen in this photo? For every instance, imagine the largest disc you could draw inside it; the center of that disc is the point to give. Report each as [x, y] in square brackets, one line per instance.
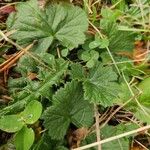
[100, 86]
[68, 107]
[63, 22]
[118, 40]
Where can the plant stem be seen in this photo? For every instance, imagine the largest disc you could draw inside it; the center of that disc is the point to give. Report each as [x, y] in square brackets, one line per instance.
[97, 126]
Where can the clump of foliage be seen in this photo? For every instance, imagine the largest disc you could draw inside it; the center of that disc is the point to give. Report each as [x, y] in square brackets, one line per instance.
[75, 70]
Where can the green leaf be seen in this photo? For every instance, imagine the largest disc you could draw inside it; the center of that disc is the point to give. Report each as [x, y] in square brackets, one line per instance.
[24, 65]
[100, 86]
[109, 14]
[51, 78]
[90, 63]
[63, 22]
[11, 123]
[85, 55]
[104, 43]
[121, 143]
[101, 43]
[94, 44]
[90, 57]
[77, 71]
[145, 88]
[118, 40]
[64, 52]
[121, 5]
[46, 143]
[143, 111]
[57, 119]
[109, 131]
[32, 112]
[94, 55]
[135, 12]
[24, 139]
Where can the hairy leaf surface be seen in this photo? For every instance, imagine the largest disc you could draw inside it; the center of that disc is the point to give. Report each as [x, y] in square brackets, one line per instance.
[65, 23]
[68, 106]
[100, 86]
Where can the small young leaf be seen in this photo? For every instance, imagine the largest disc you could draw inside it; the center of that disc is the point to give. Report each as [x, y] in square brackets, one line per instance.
[85, 56]
[24, 139]
[64, 52]
[90, 63]
[94, 44]
[94, 55]
[90, 57]
[104, 43]
[32, 112]
[11, 123]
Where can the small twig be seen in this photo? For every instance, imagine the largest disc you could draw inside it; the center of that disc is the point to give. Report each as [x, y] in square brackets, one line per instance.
[8, 5]
[7, 34]
[106, 114]
[10, 59]
[102, 117]
[21, 48]
[109, 118]
[97, 126]
[114, 138]
[58, 52]
[14, 59]
[141, 145]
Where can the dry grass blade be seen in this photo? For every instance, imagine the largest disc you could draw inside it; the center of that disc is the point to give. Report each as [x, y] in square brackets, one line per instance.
[97, 126]
[120, 107]
[6, 65]
[114, 138]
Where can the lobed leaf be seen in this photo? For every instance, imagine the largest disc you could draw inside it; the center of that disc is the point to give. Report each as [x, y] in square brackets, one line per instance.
[63, 22]
[68, 106]
[100, 86]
